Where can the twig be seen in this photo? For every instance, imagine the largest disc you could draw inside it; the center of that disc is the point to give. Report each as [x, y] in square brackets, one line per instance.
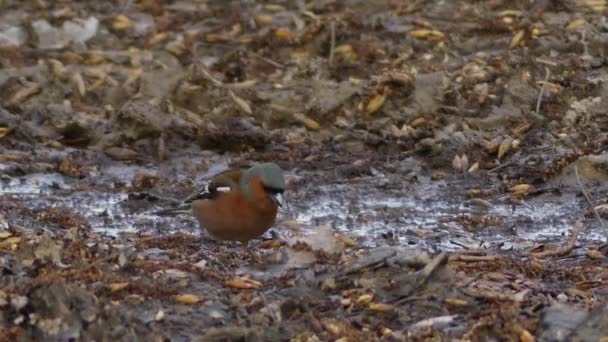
[210, 77]
[546, 62]
[488, 295]
[595, 212]
[431, 322]
[460, 244]
[501, 166]
[332, 30]
[474, 258]
[586, 54]
[542, 90]
[240, 102]
[239, 85]
[268, 60]
[565, 249]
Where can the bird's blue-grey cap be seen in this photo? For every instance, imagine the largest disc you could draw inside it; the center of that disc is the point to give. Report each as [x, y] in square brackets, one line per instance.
[270, 174]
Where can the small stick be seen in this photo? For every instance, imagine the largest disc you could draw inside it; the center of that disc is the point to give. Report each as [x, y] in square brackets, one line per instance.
[586, 54]
[332, 30]
[565, 249]
[588, 198]
[210, 77]
[474, 258]
[500, 167]
[268, 60]
[542, 90]
[546, 62]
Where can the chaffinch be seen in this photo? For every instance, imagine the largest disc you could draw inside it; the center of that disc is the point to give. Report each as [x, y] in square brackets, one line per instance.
[240, 205]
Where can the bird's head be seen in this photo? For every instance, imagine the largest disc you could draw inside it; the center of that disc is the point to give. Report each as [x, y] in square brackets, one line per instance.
[271, 177]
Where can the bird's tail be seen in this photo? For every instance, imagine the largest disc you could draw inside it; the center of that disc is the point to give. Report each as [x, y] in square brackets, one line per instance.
[183, 209]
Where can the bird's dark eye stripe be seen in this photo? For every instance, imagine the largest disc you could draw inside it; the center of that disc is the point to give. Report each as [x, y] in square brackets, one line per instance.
[273, 190]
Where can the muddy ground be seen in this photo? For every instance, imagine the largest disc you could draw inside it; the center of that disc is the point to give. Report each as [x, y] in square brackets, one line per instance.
[445, 162]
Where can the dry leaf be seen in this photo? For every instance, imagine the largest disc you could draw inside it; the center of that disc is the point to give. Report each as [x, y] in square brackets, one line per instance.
[283, 34]
[465, 162]
[418, 122]
[515, 143]
[57, 68]
[243, 283]
[474, 168]
[427, 34]
[29, 89]
[268, 244]
[187, 299]
[522, 128]
[308, 122]
[594, 254]
[245, 107]
[504, 147]
[10, 243]
[332, 328]
[364, 299]
[3, 132]
[474, 193]
[386, 333]
[263, 19]
[520, 188]
[456, 302]
[345, 240]
[346, 52]
[526, 336]
[122, 23]
[492, 146]
[576, 24]
[115, 287]
[380, 307]
[157, 38]
[78, 82]
[517, 39]
[457, 163]
[376, 103]
[13, 240]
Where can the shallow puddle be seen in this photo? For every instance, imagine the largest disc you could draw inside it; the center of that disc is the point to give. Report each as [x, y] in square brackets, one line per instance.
[436, 215]
[431, 214]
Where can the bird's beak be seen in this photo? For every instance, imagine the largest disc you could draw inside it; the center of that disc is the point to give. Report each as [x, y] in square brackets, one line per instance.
[279, 199]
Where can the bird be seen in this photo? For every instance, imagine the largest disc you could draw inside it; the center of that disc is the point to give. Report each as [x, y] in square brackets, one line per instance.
[240, 205]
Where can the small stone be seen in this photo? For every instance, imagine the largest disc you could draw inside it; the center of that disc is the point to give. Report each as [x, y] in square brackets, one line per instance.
[19, 302]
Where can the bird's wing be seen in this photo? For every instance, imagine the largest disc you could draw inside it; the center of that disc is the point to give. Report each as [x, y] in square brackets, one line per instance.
[222, 182]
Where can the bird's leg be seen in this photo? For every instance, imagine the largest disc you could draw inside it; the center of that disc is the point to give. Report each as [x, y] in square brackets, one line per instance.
[250, 251]
[211, 257]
